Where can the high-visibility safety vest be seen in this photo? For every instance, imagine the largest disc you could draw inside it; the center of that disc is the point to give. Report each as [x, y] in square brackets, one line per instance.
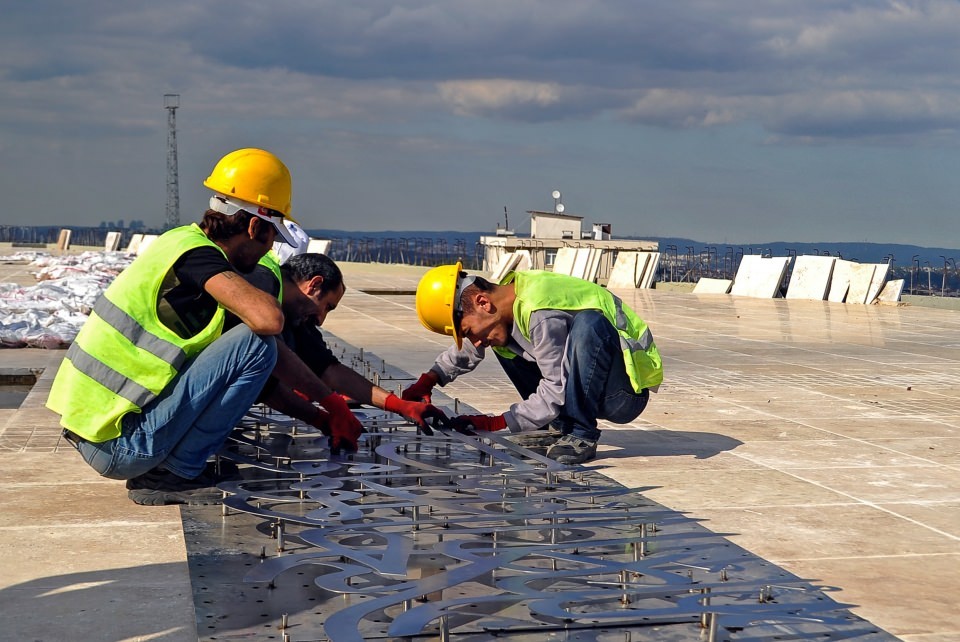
[124, 355]
[271, 261]
[539, 290]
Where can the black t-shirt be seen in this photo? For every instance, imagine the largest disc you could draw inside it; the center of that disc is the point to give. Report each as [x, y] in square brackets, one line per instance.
[307, 341]
[304, 339]
[184, 305]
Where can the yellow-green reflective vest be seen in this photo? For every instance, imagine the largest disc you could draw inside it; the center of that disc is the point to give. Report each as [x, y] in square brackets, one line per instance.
[124, 355]
[271, 261]
[539, 290]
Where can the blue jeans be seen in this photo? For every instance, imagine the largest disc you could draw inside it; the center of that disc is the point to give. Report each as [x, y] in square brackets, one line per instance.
[194, 415]
[597, 383]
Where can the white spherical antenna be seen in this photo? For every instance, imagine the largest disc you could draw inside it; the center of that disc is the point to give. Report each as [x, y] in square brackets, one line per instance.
[560, 208]
[556, 193]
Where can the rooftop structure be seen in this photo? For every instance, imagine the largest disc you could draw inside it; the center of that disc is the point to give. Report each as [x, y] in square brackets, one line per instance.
[552, 230]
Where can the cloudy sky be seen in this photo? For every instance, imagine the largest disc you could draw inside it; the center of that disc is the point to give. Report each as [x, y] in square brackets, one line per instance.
[719, 120]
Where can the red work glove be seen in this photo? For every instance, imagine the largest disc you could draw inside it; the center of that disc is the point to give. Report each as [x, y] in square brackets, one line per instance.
[420, 391]
[415, 411]
[345, 428]
[483, 423]
[321, 421]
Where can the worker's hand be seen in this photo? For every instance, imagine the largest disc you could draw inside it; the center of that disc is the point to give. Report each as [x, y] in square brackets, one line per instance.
[420, 391]
[415, 411]
[483, 423]
[345, 428]
[321, 421]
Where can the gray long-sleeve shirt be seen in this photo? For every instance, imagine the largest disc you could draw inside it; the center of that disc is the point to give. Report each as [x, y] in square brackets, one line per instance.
[547, 347]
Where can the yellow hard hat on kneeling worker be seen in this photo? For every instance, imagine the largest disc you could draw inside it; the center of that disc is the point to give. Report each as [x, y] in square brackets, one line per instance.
[257, 182]
[255, 176]
[438, 302]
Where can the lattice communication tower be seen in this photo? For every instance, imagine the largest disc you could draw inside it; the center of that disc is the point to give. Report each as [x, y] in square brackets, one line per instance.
[171, 102]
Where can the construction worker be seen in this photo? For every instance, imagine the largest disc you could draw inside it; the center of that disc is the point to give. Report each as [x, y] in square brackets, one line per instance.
[152, 387]
[310, 287]
[573, 350]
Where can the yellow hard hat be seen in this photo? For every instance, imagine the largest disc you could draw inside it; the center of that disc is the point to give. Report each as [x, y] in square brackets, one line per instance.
[255, 176]
[436, 301]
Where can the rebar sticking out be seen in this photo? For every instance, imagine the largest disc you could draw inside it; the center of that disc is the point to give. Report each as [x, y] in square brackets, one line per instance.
[714, 627]
[444, 629]
[705, 616]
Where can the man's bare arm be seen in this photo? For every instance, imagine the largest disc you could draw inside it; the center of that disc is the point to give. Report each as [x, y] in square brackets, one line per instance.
[354, 385]
[257, 309]
[293, 372]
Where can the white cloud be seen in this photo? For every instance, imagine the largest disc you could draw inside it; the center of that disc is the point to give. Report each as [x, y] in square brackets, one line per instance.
[483, 97]
[461, 88]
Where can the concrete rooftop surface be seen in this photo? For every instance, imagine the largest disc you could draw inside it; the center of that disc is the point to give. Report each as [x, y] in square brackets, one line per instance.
[822, 437]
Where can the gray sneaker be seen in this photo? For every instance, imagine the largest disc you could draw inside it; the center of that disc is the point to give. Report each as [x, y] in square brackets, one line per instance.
[572, 450]
[542, 438]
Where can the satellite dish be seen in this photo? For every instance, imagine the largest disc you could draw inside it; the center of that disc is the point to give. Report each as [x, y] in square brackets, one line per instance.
[560, 208]
[556, 193]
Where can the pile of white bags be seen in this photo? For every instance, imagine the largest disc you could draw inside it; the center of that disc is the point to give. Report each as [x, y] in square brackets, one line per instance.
[49, 314]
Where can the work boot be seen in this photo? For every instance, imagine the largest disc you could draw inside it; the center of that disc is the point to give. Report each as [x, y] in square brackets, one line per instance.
[161, 487]
[226, 470]
[572, 450]
[540, 438]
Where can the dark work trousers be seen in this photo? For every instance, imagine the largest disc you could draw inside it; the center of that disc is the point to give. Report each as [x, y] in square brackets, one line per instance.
[597, 383]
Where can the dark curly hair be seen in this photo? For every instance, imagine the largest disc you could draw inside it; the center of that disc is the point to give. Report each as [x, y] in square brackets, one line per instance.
[479, 284]
[304, 267]
[220, 227]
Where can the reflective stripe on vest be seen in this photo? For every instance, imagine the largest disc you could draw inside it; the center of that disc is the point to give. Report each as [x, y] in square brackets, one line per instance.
[137, 334]
[622, 324]
[108, 377]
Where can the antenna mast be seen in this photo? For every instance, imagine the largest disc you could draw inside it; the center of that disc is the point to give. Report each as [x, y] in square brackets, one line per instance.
[170, 103]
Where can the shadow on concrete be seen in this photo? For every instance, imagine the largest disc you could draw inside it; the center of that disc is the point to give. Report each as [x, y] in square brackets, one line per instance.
[665, 443]
[151, 602]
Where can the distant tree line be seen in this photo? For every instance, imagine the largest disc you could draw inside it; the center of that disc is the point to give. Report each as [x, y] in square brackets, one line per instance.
[79, 235]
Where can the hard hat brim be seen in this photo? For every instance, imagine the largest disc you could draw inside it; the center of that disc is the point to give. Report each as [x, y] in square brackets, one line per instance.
[230, 206]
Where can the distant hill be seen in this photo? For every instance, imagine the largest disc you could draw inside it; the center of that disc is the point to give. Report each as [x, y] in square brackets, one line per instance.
[903, 255]
[448, 235]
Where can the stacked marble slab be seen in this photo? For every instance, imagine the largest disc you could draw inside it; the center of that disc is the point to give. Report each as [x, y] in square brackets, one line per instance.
[634, 270]
[814, 278]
